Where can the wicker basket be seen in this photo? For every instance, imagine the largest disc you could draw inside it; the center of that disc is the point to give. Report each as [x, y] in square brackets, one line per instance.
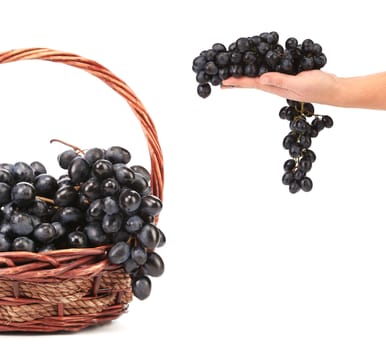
[68, 290]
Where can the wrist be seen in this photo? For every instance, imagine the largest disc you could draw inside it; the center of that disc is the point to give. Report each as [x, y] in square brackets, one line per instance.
[339, 92]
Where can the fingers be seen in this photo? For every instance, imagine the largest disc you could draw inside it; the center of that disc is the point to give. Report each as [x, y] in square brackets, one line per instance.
[272, 82]
[243, 82]
[268, 79]
[279, 80]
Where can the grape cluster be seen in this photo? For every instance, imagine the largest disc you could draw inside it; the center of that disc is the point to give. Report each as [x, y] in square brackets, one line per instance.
[99, 201]
[298, 143]
[254, 56]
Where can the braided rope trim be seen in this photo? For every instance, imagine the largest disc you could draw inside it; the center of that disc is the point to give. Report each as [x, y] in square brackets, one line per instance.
[72, 323]
[63, 299]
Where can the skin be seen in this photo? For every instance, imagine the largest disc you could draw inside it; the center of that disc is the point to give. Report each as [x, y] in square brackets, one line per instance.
[316, 86]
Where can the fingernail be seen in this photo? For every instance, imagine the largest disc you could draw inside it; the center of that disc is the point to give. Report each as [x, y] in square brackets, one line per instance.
[227, 86]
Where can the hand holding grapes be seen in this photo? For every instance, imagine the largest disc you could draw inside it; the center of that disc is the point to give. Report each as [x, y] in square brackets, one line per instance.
[320, 87]
[309, 86]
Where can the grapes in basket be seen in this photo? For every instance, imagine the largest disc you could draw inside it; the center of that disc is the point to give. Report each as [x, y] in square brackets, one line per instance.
[259, 54]
[100, 200]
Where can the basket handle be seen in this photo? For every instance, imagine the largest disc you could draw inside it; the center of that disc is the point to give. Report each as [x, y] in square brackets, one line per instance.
[94, 68]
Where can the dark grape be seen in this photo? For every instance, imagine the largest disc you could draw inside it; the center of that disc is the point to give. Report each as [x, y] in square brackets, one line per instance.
[289, 140]
[21, 224]
[119, 253]
[299, 174]
[77, 239]
[310, 155]
[142, 171]
[6, 177]
[96, 208]
[139, 255]
[306, 184]
[222, 59]
[124, 175]
[59, 229]
[64, 180]
[296, 150]
[103, 169]
[66, 196]
[242, 44]
[23, 243]
[154, 265]
[5, 243]
[294, 187]
[94, 154]
[79, 170]
[291, 43]
[38, 208]
[198, 64]
[95, 234]
[70, 217]
[202, 77]
[120, 236]
[162, 239]
[287, 178]
[118, 154]
[318, 124]
[6, 229]
[327, 121]
[130, 265]
[142, 287]
[5, 193]
[305, 164]
[38, 168]
[129, 201]
[110, 206]
[111, 223]
[218, 47]
[45, 185]
[45, 233]
[22, 172]
[149, 236]
[92, 188]
[150, 205]
[23, 194]
[203, 90]
[134, 224]
[110, 187]
[289, 165]
[65, 158]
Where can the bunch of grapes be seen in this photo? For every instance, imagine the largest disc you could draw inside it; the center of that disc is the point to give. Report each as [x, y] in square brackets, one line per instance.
[254, 56]
[99, 201]
[298, 143]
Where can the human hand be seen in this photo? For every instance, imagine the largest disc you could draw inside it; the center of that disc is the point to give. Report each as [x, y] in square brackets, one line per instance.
[313, 86]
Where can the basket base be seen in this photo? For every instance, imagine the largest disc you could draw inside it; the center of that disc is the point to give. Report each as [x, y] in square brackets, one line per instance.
[65, 324]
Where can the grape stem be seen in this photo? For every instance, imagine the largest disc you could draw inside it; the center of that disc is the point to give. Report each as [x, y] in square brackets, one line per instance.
[45, 199]
[75, 148]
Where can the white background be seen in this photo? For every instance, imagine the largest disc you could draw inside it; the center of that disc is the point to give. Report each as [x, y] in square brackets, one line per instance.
[249, 266]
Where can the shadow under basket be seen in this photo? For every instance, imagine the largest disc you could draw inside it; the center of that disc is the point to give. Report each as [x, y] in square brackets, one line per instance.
[70, 289]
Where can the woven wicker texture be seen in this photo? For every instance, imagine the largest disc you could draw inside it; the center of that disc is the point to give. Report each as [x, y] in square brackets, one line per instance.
[68, 290]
